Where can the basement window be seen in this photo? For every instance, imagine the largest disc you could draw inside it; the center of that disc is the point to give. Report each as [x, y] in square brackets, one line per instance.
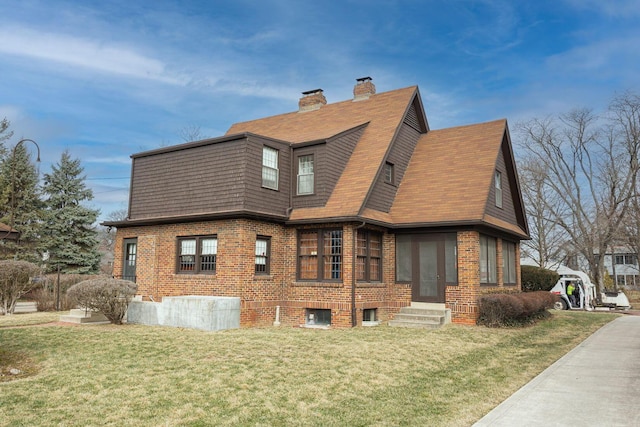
[370, 317]
[317, 317]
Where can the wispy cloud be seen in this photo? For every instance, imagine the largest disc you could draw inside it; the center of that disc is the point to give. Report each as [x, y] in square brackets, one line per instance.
[87, 53]
[121, 160]
[614, 8]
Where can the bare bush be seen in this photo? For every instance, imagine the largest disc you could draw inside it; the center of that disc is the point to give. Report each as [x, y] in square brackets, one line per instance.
[109, 296]
[46, 294]
[497, 310]
[15, 281]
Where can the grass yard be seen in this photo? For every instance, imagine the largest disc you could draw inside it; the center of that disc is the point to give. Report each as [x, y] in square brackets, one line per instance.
[135, 375]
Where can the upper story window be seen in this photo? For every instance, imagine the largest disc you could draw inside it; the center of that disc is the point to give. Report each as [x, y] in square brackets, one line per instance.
[389, 173]
[305, 175]
[488, 264]
[197, 254]
[269, 168]
[320, 255]
[498, 184]
[369, 266]
[626, 259]
[263, 249]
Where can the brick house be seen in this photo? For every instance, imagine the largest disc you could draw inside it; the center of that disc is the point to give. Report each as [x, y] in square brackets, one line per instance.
[333, 214]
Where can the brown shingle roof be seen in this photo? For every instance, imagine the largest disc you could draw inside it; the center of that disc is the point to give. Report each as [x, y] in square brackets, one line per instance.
[383, 112]
[449, 178]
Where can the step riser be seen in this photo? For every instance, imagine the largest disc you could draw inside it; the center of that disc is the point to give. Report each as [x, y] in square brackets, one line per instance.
[416, 325]
[414, 318]
[412, 310]
[420, 317]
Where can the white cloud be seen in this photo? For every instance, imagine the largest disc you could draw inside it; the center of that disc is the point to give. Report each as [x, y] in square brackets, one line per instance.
[86, 53]
[121, 160]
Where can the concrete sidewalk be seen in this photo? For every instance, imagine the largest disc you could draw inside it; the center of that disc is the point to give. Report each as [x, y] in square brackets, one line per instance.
[595, 384]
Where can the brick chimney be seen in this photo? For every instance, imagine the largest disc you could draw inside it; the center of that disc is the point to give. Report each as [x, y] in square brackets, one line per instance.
[363, 89]
[312, 100]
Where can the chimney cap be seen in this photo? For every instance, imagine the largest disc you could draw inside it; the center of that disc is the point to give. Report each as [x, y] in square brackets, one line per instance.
[310, 92]
[364, 79]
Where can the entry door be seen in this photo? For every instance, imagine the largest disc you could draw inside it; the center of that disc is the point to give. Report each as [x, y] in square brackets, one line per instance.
[428, 274]
[130, 249]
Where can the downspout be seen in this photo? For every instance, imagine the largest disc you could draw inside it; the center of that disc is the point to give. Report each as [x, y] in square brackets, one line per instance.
[354, 258]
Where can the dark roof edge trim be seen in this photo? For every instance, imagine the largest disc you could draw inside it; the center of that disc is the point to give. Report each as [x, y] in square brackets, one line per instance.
[203, 142]
[283, 219]
[195, 218]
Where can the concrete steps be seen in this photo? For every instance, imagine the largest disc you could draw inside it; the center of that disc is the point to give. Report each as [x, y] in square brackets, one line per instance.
[25, 307]
[426, 316]
[80, 315]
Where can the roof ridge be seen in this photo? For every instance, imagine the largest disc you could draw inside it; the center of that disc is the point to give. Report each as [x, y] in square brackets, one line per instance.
[324, 107]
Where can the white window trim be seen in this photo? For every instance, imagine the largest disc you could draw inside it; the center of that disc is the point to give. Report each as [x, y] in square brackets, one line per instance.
[498, 185]
[270, 168]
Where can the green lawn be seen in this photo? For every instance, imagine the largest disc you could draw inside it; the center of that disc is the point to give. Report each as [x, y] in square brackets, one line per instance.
[136, 375]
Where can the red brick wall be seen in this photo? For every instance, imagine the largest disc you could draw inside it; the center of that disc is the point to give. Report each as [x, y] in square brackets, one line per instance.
[260, 294]
[463, 298]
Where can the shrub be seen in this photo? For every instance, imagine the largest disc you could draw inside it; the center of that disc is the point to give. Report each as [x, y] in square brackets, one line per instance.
[15, 281]
[537, 279]
[45, 294]
[497, 310]
[109, 296]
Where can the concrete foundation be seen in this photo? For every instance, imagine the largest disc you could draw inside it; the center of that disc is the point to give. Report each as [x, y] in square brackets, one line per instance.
[207, 313]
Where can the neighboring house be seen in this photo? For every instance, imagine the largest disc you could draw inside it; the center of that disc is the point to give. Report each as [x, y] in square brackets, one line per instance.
[8, 233]
[622, 266]
[336, 213]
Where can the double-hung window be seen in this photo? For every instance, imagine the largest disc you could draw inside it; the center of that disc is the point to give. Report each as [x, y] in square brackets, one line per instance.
[389, 173]
[305, 175]
[488, 265]
[498, 186]
[269, 168]
[197, 254]
[320, 255]
[369, 265]
[508, 263]
[263, 246]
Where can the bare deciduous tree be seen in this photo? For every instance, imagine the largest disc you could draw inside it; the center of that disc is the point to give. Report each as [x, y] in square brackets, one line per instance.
[546, 246]
[190, 133]
[590, 174]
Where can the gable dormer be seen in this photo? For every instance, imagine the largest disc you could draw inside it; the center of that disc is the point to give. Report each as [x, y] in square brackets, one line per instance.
[504, 201]
[397, 159]
[317, 166]
[415, 116]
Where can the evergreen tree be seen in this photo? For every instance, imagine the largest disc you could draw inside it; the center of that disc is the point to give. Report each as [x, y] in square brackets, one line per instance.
[21, 206]
[69, 235]
[5, 134]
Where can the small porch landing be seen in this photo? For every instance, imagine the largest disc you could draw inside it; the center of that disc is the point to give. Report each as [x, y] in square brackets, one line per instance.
[80, 315]
[422, 315]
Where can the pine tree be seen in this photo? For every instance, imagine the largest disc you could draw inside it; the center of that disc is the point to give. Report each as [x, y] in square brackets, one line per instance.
[5, 134]
[69, 235]
[21, 205]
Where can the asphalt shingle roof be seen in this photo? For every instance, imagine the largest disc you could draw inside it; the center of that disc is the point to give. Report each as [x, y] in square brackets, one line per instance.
[448, 179]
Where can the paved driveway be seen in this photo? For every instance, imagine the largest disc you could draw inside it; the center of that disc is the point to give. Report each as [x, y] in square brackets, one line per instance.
[595, 384]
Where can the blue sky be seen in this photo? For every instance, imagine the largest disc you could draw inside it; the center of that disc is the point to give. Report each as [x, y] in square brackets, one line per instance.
[106, 79]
